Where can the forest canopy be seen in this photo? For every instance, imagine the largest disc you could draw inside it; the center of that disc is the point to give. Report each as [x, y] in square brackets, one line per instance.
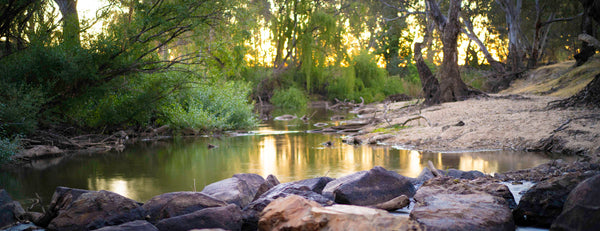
[201, 64]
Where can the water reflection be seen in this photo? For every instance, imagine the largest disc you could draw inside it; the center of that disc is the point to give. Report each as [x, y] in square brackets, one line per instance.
[149, 169]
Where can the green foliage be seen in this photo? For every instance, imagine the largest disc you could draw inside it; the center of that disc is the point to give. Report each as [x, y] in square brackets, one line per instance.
[473, 78]
[289, 98]
[8, 148]
[219, 106]
[19, 108]
[390, 129]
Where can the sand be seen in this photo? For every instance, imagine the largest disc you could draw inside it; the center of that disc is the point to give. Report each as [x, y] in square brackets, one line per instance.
[490, 123]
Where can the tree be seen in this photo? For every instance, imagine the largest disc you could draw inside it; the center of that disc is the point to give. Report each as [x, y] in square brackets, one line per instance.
[70, 20]
[451, 86]
[590, 95]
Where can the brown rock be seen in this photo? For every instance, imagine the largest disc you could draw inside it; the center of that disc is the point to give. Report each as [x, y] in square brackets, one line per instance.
[10, 211]
[97, 209]
[297, 213]
[61, 200]
[582, 208]
[445, 203]
[178, 203]
[139, 225]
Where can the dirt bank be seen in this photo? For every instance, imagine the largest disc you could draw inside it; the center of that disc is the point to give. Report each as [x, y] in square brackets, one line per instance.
[495, 122]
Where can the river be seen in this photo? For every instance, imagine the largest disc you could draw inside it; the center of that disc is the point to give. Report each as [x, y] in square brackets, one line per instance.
[281, 148]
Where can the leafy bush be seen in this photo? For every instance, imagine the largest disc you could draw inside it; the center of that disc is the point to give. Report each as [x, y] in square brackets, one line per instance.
[8, 148]
[289, 98]
[19, 108]
[218, 106]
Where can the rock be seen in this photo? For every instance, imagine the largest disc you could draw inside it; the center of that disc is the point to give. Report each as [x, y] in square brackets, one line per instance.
[285, 117]
[178, 203]
[425, 175]
[235, 190]
[139, 225]
[34, 217]
[543, 202]
[253, 180]
[297, 213]
[444, 203]
[10, 211]
[309, 189]
[369, 187]
[582, 208]
[23, 227]
[228, 218]
[265, 186]
[469, 175]
[40, 151]
[393, 204]
[97, 209]
[379, 138]
[61, 200]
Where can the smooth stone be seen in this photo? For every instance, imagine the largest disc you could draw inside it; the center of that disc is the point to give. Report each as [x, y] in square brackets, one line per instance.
[139, 225]
[369, 187]
[96, 209]
[178, 203]
[227, 217]
[582, 208]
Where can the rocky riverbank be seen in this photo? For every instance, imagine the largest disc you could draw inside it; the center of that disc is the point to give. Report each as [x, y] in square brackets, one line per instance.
[439, 200]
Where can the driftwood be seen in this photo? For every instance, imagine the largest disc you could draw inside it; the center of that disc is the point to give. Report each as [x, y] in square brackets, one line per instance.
[590, 40]
[339, 105]
[434, 170]
[416, 118]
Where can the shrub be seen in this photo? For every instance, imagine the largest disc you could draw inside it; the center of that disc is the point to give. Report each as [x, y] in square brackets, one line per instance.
[289, 98]
[19, 108]
[218, 106]
[8, 148]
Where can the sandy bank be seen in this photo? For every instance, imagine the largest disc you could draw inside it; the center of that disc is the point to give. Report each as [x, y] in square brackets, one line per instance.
[495, 122]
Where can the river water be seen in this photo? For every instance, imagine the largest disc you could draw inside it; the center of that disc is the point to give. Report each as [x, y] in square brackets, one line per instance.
[281, 148]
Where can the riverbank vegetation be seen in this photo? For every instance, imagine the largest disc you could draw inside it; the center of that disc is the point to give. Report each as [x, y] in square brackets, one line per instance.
[203, 64]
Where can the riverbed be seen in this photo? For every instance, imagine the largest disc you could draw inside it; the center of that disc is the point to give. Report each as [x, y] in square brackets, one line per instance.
[281, 148]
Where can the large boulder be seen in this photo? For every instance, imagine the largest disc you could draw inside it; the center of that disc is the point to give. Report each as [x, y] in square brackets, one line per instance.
[309, 189]
[444, 203]
[139, 225]
[543, 202]
[298, 213]
[253, 180]
[178, 203]
[582, 208]
[369, 187]
[10, 211]
[228, 218]
[269, 183]
[231, 190]
[61, 200]
[96, 209]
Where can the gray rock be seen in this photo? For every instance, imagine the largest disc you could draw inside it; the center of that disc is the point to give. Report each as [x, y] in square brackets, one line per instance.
[253, 180]
[10, 211]
[582, 208]
[96, 209]
[228, 218]
[369, 187]
[231, 190]
[139, 225]
[178, 203]
[444, 203]
[543, 202]
[269, 183]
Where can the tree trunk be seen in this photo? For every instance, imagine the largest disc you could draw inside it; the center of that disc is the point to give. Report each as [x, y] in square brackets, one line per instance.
[513, 22]
[68, 9]
[587, 28]
[429, 83]
[452, 87]
[470, 32]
